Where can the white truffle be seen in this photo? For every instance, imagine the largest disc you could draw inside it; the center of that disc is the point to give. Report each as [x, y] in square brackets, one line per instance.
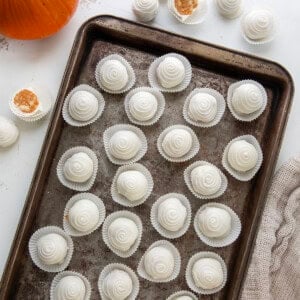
[229, 8]
[183, 298]
[8, 132]
[145, 10]
[70, 288]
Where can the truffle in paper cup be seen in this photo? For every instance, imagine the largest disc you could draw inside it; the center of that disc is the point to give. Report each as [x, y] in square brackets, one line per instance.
[176, 295]
[177, 262]
[220, 108]
[123, 200]
[85, 88]
[113, 72]
[126, 144]
[77, 186]
[247, 175]
[254, 115]
[116, 266]
[84, 216]
[123, 233]
[224, 240]
[189, 276]
[33, 249]
[188, 180]
[60, 276]
[153, 78]
[144, 107]
[169, 216]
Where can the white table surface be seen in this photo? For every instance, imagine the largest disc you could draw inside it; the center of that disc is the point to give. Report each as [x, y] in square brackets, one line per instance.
[23, 62]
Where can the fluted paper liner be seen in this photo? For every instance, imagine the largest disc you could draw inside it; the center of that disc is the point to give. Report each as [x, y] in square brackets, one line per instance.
[189, 276]
[77, 186]
[175, 295]
[188, 180]
[60, 276]
[116, 266]
[122, 214]
[130, 72]
[69, 229]
[246, 117]
[248, 175]
[109, 132]
[34, 253]
[221, 104]
[160, 105]
[226, 240]
[154, 82]
[118, 198]
[65, 111]
[193, 151]
[177, 262]
[154, 216]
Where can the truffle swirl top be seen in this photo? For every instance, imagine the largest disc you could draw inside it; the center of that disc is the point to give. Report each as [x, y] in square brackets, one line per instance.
[52, 249]
[8, 132]
[70, 288]
[229, 8]
[170, 72]
[207, 273]
[242, 156]
[145, 6]
[78, 168]
[113, 75]
[83, 106]
[177, 143]
[124, 144]
[117, 285]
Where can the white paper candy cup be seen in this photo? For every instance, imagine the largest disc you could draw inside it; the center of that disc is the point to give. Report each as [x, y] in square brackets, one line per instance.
[118, 198]
[221, 104]
[160, 105]
[189, 276]
[248, 175]
[130, 72]
[69, 229]
[188, 181]
[221, 241]
[154, 82]
[34, 251]
[122, 214]
[177, 262]
[77, 186]
[159, 228]
[246, 117]
[65, 111]
[181, 294]
[193, 151]
[61, 275]
[109, 132]
[116, 266]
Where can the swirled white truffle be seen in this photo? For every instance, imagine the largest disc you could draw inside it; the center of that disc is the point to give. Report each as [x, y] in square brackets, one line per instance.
[159, 263]
[242, 156]
[132, 184]
[145, 10]
[170, 72]
[172, 214]
[206, 180]
[8, 132]
[124, 144]
[229, 8]
[70, 288]
[52, 249]
[122, 233]
[113, 75]
[177, 143]
[143, 106]
[214, 222]
[83, 106]
[247, 99]
[258, 24]
[207, 273]
[117, 285]
[84, 215]
[202, 107]
[78, 168]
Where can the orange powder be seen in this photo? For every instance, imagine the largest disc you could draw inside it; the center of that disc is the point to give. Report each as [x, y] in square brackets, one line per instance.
[26, 101]
[186, 7]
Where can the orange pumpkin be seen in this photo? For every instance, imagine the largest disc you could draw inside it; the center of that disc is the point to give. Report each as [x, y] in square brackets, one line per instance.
[34, 19]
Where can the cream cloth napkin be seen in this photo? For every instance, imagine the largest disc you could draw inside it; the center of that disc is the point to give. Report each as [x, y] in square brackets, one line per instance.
[274, 271]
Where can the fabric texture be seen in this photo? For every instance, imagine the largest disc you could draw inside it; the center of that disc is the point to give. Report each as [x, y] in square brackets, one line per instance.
[274, 271]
